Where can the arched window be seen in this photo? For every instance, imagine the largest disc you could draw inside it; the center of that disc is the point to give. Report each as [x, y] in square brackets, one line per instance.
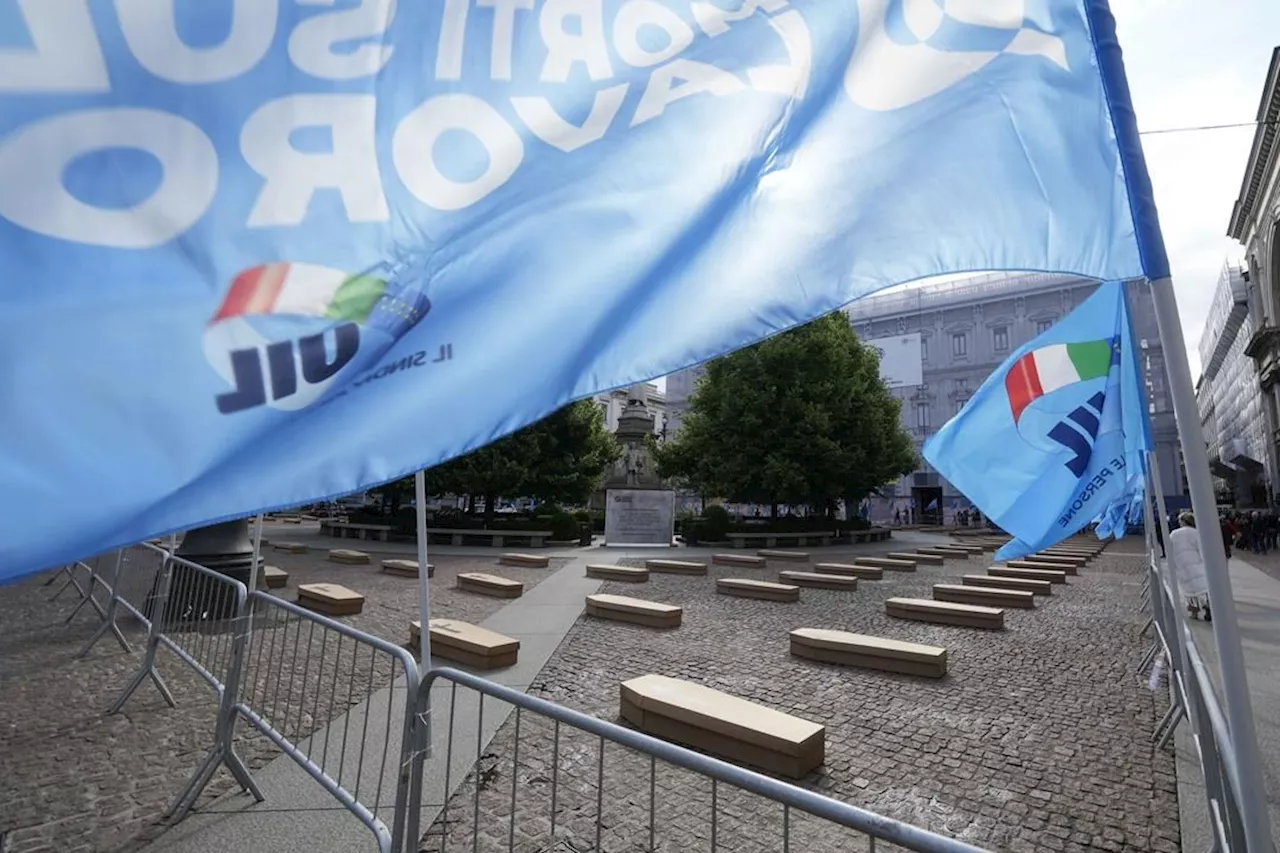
[1254, 291]
[1273, 278]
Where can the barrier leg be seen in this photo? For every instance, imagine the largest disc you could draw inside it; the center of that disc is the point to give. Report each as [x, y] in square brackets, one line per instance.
[1169, 720]
[1179, 714]
[147, 669]
[1148, 658]
[242, 775]
[109, 620]
[223, 750]
[70, 571]
[88, 599]
[88, 596]
[186, 798]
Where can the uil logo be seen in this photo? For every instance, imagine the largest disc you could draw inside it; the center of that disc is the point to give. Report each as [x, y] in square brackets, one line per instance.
[1045, 387]
[286, 331]
[910, 50]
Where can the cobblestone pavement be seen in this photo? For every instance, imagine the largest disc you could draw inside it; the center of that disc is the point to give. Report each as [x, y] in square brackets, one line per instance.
[72, 779]
[1038, 739]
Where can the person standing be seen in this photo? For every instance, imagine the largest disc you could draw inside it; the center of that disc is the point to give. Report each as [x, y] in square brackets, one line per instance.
[1228, 533]
[1188, 566]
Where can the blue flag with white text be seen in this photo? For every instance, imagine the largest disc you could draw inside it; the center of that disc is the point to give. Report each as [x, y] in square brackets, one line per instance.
[258, 254]
[1057, 434]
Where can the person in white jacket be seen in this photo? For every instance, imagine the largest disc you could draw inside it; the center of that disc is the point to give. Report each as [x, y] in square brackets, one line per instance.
[1188, 567]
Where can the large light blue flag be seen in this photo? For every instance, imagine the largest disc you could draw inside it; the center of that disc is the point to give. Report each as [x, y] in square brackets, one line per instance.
[1056, 435]
[259, 253]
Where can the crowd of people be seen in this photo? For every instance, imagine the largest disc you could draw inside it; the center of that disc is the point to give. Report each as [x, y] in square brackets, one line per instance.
[1256, 531]
[963, 518]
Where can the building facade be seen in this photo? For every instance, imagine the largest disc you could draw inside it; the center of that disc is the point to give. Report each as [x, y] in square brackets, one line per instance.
[612, 403]
[679, 389]
[1229, 397]
[967, 329]
[1255, 222]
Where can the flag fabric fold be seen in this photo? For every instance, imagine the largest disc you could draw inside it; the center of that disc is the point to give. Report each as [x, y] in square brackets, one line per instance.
[1042, 466]
[258, 254]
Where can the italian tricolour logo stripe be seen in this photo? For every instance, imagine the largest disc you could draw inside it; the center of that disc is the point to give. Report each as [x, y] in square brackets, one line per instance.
[305, 290]
[1047, 369]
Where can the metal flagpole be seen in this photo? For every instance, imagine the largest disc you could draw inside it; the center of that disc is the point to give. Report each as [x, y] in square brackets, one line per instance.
[257, 552]
[422, 734]
[1226, 629]
[424, 588]
[1169, 573]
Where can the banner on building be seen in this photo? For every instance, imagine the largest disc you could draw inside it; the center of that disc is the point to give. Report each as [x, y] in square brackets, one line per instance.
[901, 360]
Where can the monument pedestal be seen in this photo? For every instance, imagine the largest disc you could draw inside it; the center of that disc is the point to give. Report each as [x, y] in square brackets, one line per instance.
[639, 518]
[225, 548]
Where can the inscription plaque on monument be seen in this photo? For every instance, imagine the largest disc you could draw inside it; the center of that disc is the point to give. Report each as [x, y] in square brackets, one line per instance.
[639, 517]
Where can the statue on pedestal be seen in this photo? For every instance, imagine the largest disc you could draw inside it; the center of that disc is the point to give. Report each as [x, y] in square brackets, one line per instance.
[639, 508]
[635, 468]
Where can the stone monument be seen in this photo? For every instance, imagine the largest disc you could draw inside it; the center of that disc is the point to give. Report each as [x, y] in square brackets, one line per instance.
[635, 468]
[639, 508]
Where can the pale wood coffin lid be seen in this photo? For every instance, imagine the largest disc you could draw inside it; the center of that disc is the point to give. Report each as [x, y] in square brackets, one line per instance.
[472, 638]
[721, 713]
[818, 576]
[631, 605]
[328, 592]
[1012, 594]
[747, 583]
[928, 604]
[492, 580]
[823, 638]
[402, 564]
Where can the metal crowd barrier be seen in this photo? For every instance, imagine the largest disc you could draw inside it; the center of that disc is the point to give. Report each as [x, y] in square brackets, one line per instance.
[311, 685]
[1194, 699]
[600, 786]
[199, 615]
[300, 679]
[131, 580]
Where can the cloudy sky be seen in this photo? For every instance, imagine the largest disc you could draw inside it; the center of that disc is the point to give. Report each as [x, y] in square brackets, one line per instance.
[1190, 63]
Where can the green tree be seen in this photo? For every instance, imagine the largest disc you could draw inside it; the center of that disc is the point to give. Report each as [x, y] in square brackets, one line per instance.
[801, 418]
[572, 450]
[561, 459]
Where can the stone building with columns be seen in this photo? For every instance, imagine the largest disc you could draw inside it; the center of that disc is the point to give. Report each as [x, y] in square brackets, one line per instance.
[1255, 222]
[1230, 398]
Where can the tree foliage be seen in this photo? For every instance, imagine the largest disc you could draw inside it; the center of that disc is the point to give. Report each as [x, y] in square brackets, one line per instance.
[560, 459]
[802, 418]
